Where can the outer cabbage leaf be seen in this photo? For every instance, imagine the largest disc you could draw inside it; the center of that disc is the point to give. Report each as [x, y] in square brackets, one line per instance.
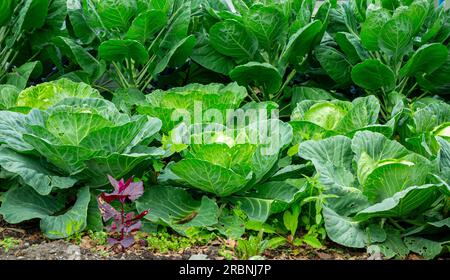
[191, 102]
[174, 207]
[415, 199]
[32, 172]
[22, 204]
[210, 177]
[85, 138]
[427, 119]
[332, 158]
[12, 128]
[347, 232]
[71, 222]
[371, 148]
[270, 198]
[314, 120]
[45, 95]
[233, 160]
[390, 177]
[8, 96]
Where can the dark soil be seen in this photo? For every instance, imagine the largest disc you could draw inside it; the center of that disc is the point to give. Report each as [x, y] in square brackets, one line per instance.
[34, 246]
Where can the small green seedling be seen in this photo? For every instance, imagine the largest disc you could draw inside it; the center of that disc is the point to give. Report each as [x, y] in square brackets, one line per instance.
[9, 243]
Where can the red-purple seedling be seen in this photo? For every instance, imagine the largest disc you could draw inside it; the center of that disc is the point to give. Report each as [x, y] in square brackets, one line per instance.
[123, 224]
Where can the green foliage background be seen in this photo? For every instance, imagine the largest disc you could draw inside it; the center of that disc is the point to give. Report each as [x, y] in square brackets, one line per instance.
[87, 88]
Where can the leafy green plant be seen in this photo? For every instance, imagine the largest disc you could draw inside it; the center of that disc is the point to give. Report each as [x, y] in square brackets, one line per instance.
[308, 214]
[262, 44]
[226, 252]
[77, 135]
[387, 50]
[228, 170]
[53, 149]
[27, 29]
[319, 119]
[234, 160]
[348, 101]
[290, 219]
[255, 245]
[378, 183]
[182, 105]
[164, 242]
[99, 237]
[136, 40]
[46, 95]
[13, 17]
[422, 123]
[73, 232]
[9, 243]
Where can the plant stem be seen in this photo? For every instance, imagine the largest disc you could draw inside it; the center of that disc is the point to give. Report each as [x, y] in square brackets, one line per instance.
[145, 76]
[286, 82]
[144, 70]
[122, 214]
[396, 224]
[285, 107]
[411, 89]
[129, 65]
[122, 78]
[420, 96]
[379, 57]
[384, 111]
[252, 99]
[147, 82]
[398, 67]
[164, 29]
[103, 88]
[403, 84]
[253, 93]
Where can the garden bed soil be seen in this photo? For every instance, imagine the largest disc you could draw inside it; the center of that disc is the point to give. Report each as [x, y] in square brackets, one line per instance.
[34, 246]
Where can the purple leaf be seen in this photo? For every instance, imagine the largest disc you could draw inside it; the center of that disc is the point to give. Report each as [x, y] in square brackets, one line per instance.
[113, 241]
[124, 190]
[140, 216]
[107, 210]
[113, 182]
[127, 241]
[123, 224]
[134, 191]
[115, 227]
[135, 227]
[129, 216]
[123, 186]
[111, 197]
